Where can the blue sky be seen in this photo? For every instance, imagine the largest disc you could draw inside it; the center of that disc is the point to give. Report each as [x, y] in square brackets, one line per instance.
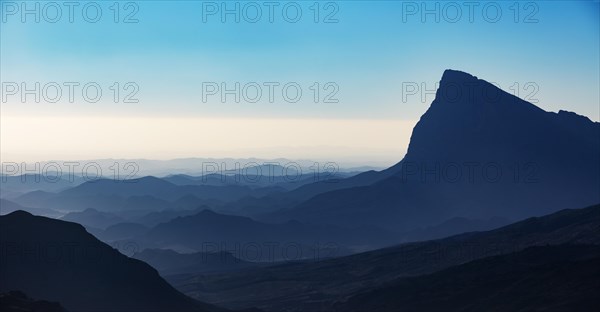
[552, 48]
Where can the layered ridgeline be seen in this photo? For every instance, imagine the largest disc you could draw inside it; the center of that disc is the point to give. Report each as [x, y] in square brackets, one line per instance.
[146, 193]
[397, 278]
[478, 152]
[256, 241]
[60, 262]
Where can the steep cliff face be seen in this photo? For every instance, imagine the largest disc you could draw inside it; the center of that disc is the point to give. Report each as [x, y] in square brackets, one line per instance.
[477, 152]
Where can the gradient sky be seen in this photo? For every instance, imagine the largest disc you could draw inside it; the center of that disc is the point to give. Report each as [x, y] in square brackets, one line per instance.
[372, 49]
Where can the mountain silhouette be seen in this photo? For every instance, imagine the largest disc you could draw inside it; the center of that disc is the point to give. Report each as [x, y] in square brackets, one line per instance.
[154, 218]
[260, 176]
[478, 152]
[287, 286]
[144, 194]
[49, 181]
[59, 261]
[7, 207]
[262, 207]
[122, 231]
[93, 218]
[247, 238]
[161, 189]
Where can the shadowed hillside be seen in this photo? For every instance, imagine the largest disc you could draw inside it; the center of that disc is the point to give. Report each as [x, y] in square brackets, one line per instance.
[316, 286]
[549, 278]
[59, 261]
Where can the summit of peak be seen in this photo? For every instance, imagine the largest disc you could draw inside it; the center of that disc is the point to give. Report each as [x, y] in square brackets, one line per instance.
[451, 75]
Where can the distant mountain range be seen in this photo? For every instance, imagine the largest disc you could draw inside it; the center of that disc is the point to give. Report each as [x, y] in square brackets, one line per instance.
[257, 241]
[145, 194]
[7, 207]
[93, 218]
[266, 177]
[195, 166]
[249, 174]
[161, 189]
[14, 185]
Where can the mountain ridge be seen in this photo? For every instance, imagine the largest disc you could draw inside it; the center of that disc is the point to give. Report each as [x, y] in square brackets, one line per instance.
[478, 153]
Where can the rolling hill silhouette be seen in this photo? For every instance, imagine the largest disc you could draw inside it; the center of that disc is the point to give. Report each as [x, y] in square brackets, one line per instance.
[144, 194]
[159, 188]
[318, 285]
[7, 206]
[543, 278]
[93, 218]
[242, 235]
[59, 261]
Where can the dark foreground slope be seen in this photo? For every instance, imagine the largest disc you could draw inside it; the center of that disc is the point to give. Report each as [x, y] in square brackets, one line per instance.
[168, 262]
[59, 261]
[16, 301]
[317, 285]
[548, 278]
